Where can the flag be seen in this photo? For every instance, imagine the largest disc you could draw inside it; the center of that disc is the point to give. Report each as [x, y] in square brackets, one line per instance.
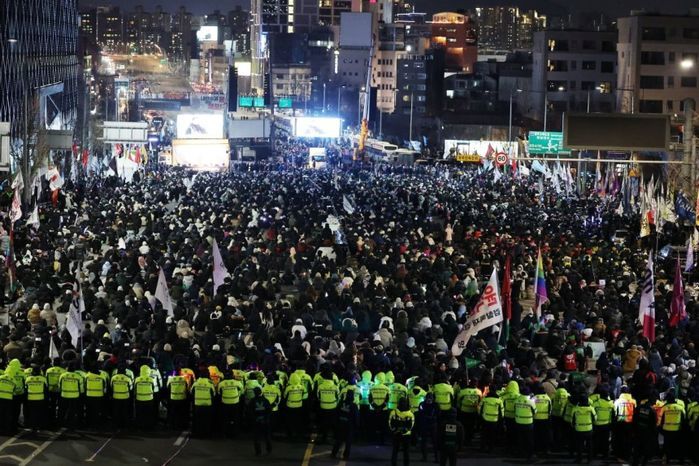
[10, 263]
[86, 156]
[496, 175]
[18, 182]
[487, 313]
[690, 254]
[53, 351]
[645, 223]
[34, 216]
[541, 296]
[506, 294]
[74, 322]
[220, 271]
[489, 152]
[113, 165]
[347, 205]
[163, 295]
[678, 311]
[646, 310]
[16, 208]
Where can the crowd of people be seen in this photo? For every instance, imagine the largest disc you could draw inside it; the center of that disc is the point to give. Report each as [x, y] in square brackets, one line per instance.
[339, 322]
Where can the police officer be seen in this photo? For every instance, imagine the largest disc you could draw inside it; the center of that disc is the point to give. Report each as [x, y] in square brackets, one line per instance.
[401, 422]
[328, 395]
[53, 373]
[492, 412]
[8, 424]
[95, 391]
[542, 419]
[177, 403]
[144, 387]
[259, 413]
[450, 436]
[121, 384]
[672, 417]
[583, 419]
[36, 399]
[364, 385]
[14, 370]
[645, 431]
[624, 407]
[558, 407]
[525, 409]
[468, 400]
[378, 399]
[347, 422]
[427, 425]
[273, 394]
[604, 410]
[72, 388]
[443, 394]
[203, 393]
[230, 392]
[509, 396]
[293, 399]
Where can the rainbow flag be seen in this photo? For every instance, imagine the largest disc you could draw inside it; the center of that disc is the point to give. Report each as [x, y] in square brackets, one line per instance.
[541, 296]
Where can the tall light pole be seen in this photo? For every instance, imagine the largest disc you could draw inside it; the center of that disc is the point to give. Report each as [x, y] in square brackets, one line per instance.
[410, 136]
[323, 97]
[509, 125]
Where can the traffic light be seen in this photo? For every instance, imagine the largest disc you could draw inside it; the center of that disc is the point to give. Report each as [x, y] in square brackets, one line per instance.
[232, 89]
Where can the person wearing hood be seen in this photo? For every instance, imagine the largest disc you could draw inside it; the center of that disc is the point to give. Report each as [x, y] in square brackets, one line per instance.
[146, 408]
[509, 397]
[8, 423]
[378, 399]
[293, 396]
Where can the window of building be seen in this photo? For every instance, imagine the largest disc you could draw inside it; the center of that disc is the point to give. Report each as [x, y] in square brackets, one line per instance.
[573, 85]
[279, 86]
[421, 98]
[691, 33]
[421, 87]
[652, 82]
[669, 105]
[589, 45]
[671, 57]
[653, 33]
[573, 65]
[608, 46]
[557, 65]
[651, 106]
[605, 87]
[421, 76]
[652, 58]
[607, 67]
[670, 81]
[587, 86]
[280, 76]
[558, 45]
[688, 81]
[588, 65]
[556, 86]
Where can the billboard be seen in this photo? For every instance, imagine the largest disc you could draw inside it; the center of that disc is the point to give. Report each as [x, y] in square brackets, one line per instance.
[617, 131]
[203, 155]
[355, 29]
[310, 127]
[207, 33]
[482, 149]
[199, 126]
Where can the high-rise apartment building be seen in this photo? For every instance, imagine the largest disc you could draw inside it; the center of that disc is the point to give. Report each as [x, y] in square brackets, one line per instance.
[181, 34]
[456, 34]
[239, 24]
[507, 28]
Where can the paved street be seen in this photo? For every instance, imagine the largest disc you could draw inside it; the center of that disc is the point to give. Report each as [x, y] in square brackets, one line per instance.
[175, 448]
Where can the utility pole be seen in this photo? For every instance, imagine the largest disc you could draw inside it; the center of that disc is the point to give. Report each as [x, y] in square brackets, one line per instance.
[410, 136]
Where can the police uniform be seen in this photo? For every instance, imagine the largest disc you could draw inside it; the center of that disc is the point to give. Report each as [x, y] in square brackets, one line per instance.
[71, 385]
[468, 401]
[604, 410]
[525, 409]
[144, 388]
[542, 422]
[177, 403]
[36, 401]
[583, 419]
[294, 394]
[347, 420]
[492, 412]
[672, 418]
[8, 425]
[378, 399]
[121, 385]
[230, 391]
[624, 408]
[401, 422]
[95, 391]
[328, 397]
[53, 374]
[203, 393]
[558, 407]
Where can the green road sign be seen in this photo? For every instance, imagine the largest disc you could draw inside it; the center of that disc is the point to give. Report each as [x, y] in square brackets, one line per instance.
[285, 103]
[548, 142]
[245, 101]
[259, 102]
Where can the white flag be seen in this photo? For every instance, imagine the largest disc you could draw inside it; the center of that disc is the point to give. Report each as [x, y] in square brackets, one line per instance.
[347, 205]
[18, 182]
[163, 295]
[16, 208]
[34, 216]
[690, 256]
[53, 351]
[74, 323]
[220, 271]
[487, 313]
[647, 304]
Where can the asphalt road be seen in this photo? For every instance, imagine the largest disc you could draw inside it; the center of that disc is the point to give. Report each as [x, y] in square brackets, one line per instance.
[175, 448]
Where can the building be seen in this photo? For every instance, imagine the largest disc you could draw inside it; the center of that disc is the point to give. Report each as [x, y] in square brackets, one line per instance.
[39, 62]
[267, 17]
[507, 28]
[658, 65]
[330, 11]
[570, 69]
[239, 24]
[110, 27]
[181, 37]
[88, 25]
[420, 84]
[456, 34]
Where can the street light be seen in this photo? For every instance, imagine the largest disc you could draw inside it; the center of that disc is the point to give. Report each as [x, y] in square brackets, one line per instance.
[687, 64]
[509, 126]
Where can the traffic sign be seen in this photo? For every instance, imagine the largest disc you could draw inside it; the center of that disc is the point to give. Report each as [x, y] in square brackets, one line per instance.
[285, 102]
[501, 159]
[548, 142]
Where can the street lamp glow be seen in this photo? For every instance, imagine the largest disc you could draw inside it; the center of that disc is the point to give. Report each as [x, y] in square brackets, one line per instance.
[561, 88]
[687, 64]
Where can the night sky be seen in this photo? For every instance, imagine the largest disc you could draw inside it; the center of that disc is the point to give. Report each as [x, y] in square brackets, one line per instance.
[555, 7]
